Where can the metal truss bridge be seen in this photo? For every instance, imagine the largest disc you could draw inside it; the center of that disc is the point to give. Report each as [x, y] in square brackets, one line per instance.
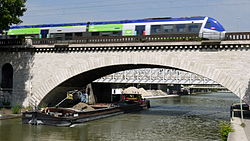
[155, 76]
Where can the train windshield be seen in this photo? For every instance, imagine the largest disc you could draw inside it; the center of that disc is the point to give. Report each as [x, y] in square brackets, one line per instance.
[214, 25]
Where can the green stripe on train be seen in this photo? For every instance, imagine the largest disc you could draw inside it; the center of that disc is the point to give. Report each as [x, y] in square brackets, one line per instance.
[105, 27]
[24, 31]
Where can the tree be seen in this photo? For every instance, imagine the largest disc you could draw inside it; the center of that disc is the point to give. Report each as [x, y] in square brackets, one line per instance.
[10, 13]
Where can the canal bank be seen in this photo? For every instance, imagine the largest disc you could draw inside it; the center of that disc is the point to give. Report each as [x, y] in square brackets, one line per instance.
[191, 117]
[8, 114]
[247, 128]
[241, 132]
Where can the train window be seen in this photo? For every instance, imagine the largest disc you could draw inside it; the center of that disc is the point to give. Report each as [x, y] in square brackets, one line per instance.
[57, 36]
[155, 29]
[35, 36]
[111, 33]
[68, 36]
[95, 33]
[52, 36]
[107, 33]
[78, 34]
[208, 25]
[23, 36]
[193, 28]
[13, 36]
[168, 28]
[180, 27]
[117, 33]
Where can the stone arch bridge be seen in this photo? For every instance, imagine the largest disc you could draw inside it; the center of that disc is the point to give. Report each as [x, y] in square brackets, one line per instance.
[41, 71]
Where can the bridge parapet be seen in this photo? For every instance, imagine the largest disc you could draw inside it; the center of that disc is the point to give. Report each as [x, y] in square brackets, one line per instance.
[107, 40]
[122, 39]
[9, 42]
[237, 36]
[141, 39]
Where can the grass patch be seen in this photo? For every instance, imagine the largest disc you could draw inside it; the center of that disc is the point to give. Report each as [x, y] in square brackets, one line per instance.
[16, 109]
[28, 108]
[224, 129]
[243, 125]
[42, 106]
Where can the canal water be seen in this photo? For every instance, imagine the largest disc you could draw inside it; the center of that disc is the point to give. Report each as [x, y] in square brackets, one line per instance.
[185, 118]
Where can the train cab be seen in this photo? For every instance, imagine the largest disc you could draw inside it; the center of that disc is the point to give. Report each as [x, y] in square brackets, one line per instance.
[212, 30]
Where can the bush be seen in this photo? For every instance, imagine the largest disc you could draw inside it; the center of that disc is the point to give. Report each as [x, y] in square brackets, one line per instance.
[224, 129]
[16, 109]
[28, 108]
[43, 105]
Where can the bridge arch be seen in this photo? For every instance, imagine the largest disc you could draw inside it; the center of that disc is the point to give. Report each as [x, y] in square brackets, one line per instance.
[119, 62]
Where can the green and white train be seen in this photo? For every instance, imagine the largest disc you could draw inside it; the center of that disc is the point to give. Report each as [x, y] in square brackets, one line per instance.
[205, 27]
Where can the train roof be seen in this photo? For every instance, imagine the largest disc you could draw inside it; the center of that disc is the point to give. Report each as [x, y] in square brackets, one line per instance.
[149, 20]
[48, 25]
[164, 19]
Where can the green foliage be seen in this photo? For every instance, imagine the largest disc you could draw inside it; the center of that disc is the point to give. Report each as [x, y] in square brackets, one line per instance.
[43, 105]
[16, 109]
[28, 108]
[10, 13]
[224, 129]
[243, 125]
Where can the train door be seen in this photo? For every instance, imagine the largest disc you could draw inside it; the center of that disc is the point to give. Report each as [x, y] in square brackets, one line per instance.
[44, 33]
[140, 30]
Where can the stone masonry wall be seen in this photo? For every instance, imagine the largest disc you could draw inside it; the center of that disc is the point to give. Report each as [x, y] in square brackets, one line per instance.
[35, 75]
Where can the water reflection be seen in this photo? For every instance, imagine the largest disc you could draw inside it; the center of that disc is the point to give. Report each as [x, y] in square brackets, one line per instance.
[181, 118]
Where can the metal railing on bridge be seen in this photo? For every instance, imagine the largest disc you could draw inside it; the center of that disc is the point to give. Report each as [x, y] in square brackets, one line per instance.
[125, 39]
[4, 42]
[238, 36]
[122, 39]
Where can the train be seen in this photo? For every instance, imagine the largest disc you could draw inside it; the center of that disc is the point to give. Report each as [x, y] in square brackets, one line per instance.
[205, 27]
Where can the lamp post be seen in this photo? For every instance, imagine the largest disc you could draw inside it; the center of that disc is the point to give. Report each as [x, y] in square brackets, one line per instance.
[241, 109]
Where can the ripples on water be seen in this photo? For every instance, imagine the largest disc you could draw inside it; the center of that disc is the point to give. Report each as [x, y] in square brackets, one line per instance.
[186, 118]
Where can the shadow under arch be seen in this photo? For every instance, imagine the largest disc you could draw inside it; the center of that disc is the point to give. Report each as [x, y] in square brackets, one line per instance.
[80, 80]
[84, 78]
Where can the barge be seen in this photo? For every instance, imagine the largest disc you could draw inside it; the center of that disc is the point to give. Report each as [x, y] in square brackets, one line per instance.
[56, 116]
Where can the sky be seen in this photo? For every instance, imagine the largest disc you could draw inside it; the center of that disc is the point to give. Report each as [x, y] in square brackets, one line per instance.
[232, 14]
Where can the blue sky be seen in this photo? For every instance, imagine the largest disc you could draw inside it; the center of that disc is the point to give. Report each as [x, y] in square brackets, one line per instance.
[232, 14]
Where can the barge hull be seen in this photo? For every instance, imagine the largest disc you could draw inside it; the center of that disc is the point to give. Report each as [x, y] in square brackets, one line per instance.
[39, 118]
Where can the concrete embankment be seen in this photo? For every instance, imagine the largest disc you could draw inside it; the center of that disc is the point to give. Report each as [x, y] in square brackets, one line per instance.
[239, 133]
[7, 114]
[10, 116]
